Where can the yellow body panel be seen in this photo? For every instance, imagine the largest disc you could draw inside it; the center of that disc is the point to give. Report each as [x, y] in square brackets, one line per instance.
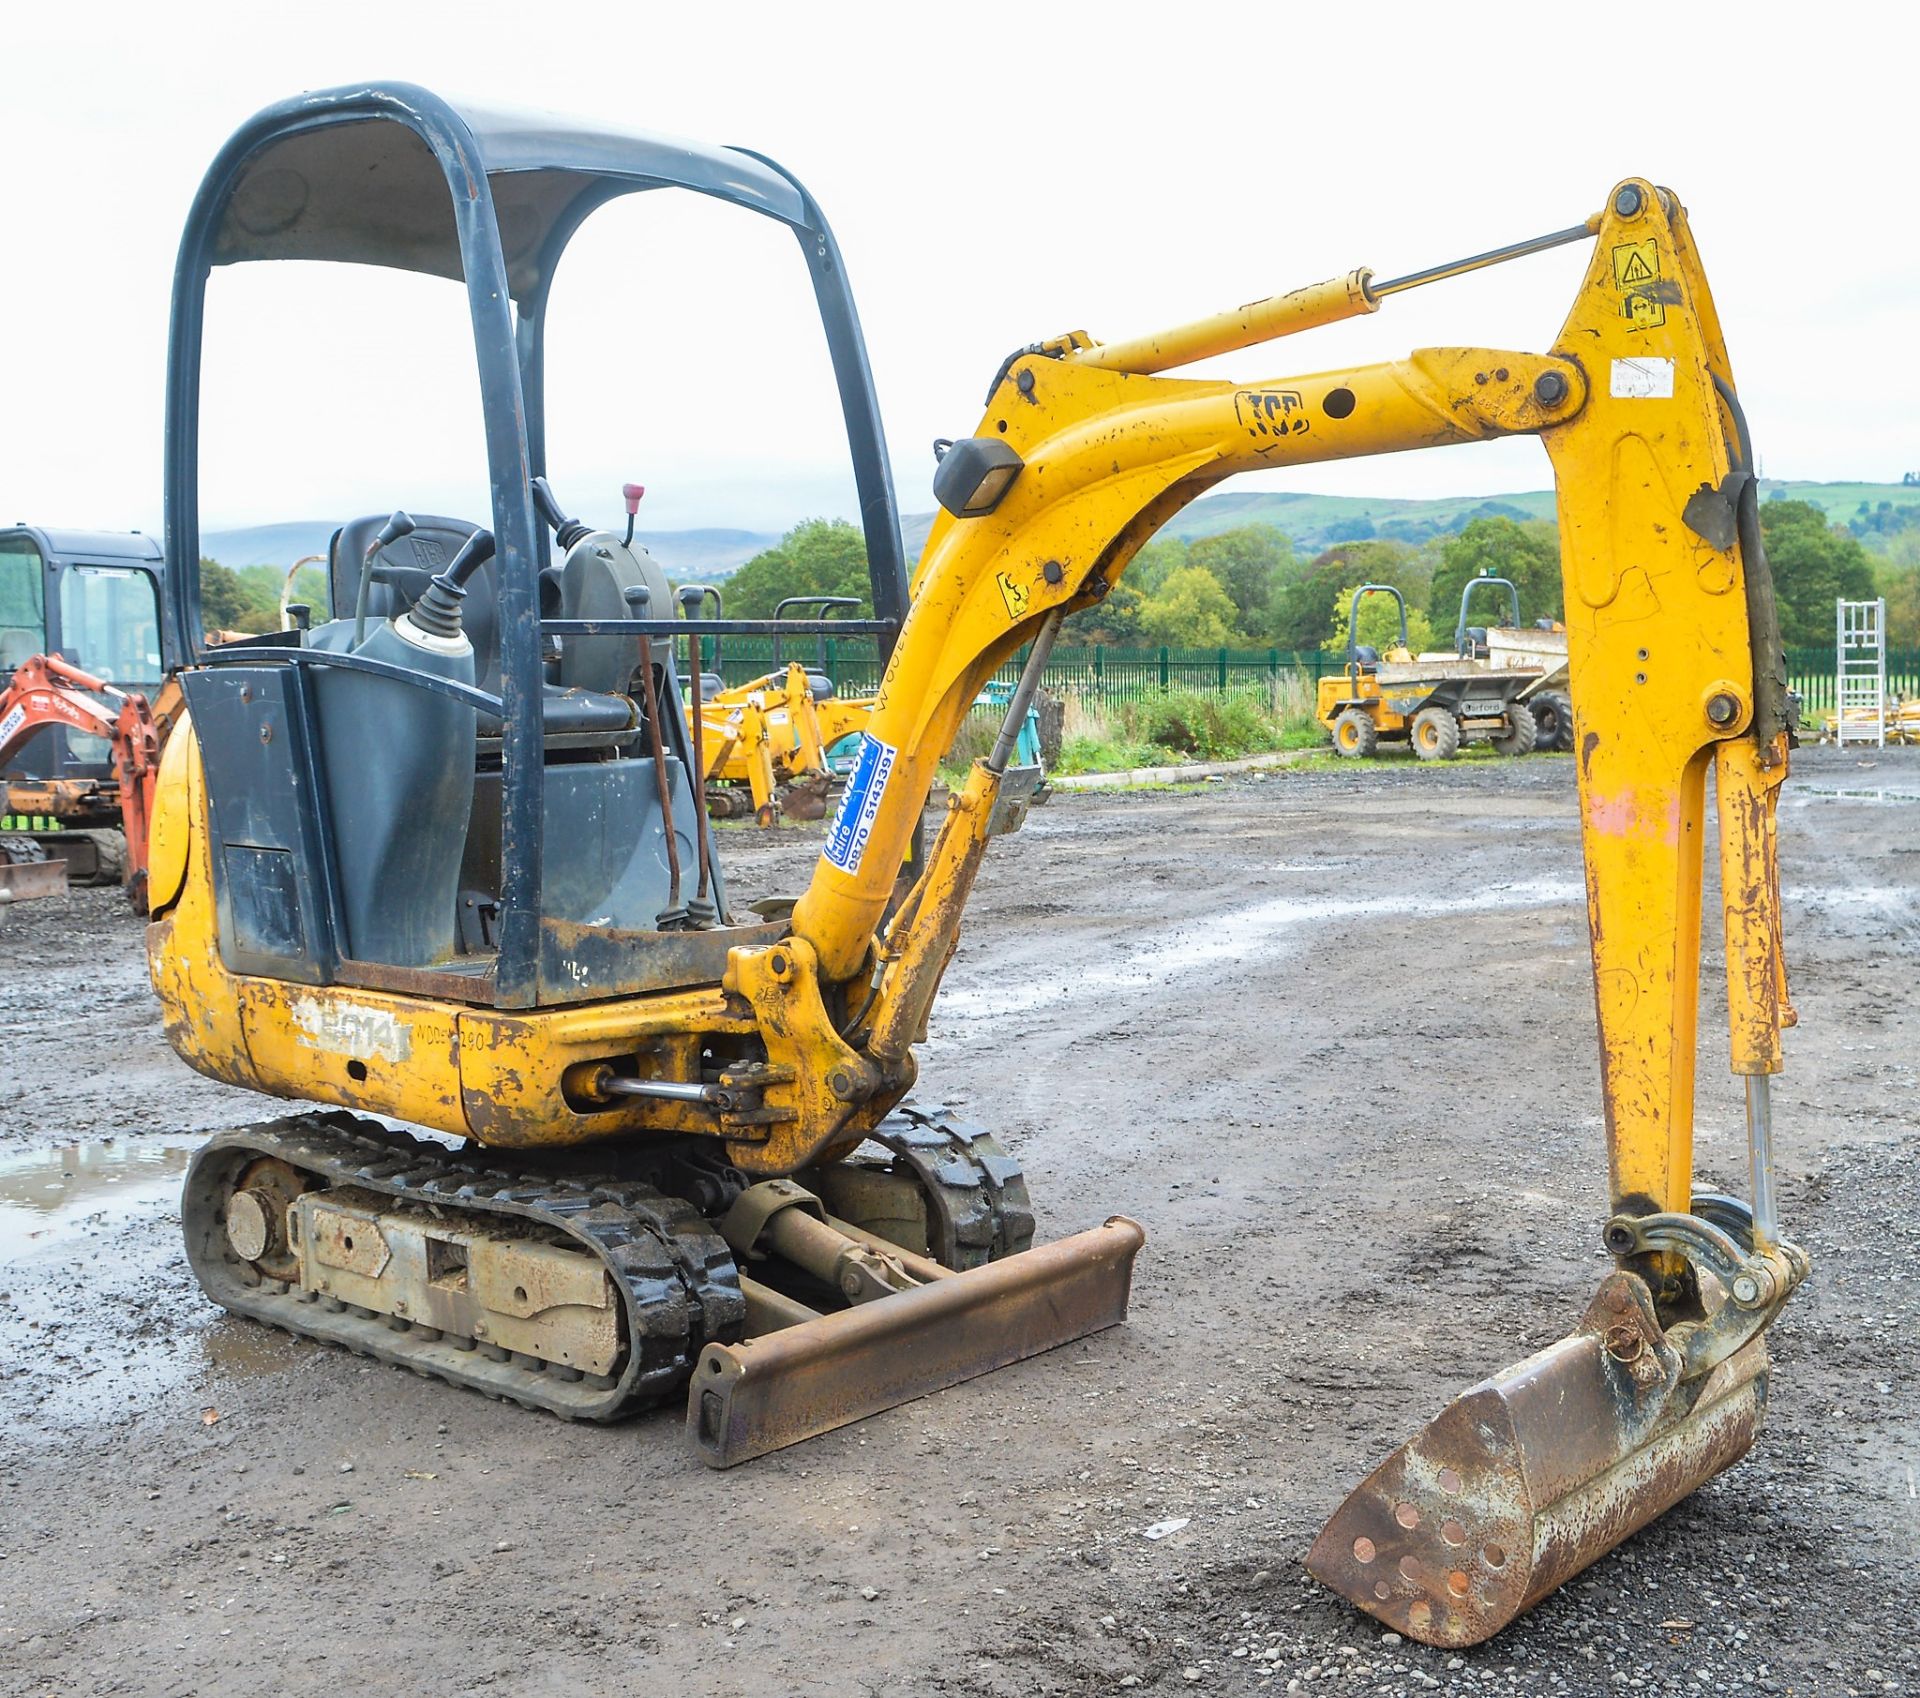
[466, 1071]
[198, 998]
[1339, 690]
[1657, 627]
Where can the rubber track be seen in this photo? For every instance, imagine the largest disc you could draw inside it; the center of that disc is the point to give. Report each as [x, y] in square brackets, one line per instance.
[674, 1273]
[976, 1186]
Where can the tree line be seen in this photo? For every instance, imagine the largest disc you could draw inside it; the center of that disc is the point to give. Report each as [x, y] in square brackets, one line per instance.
[1247, 588]
[247, 598]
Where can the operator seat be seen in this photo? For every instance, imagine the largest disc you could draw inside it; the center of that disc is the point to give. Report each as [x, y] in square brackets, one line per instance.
[586, 707]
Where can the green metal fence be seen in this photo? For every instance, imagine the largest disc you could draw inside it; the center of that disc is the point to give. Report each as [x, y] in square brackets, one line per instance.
[1811, 671]
[853, 664]
[1125, 673]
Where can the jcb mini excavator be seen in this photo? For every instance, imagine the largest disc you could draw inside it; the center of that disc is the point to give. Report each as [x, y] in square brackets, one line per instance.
[696, 1166]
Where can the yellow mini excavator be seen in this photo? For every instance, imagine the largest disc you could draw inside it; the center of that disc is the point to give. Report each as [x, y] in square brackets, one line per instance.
[442, 862]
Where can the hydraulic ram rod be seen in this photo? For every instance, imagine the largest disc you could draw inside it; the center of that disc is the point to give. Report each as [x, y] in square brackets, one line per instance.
[1351, 296]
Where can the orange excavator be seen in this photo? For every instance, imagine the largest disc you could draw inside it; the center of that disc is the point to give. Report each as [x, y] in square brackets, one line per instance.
[46, 690]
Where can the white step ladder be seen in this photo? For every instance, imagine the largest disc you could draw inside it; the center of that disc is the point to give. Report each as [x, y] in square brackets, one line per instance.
[1860, 692]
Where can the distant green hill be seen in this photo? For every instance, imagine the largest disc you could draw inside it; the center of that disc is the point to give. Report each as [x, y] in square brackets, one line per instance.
[1315, 522]
[709, 553]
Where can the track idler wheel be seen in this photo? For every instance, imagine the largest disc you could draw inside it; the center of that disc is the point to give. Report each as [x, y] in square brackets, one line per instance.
[256, 1217]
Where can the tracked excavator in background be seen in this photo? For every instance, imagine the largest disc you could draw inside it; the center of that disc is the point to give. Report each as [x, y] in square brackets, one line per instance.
[80, 633]
[689, 1159]
[44, 693]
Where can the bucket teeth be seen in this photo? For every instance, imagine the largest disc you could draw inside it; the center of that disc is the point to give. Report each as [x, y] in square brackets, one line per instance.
[1528, 1477]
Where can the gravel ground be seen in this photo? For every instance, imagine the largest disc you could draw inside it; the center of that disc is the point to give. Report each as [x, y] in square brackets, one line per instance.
[1329, 1035]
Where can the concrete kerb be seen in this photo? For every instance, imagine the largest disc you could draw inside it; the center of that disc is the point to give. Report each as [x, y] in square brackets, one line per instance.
[1184, 774]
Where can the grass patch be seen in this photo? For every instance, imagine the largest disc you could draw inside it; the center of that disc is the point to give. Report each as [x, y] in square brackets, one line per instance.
[1170, 727]
[1400, 756]
[1163, 728]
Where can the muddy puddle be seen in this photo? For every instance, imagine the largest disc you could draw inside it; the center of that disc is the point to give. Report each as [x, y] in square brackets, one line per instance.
[99, 1317]
[1873, 795]
[1263, 930]
[55, 1196]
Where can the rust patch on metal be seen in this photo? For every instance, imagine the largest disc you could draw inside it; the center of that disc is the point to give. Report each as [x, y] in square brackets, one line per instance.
[1530, 1476]
[748, 1399]
[348, 1241]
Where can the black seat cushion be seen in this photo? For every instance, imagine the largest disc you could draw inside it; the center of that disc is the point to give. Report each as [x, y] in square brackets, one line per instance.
[576, 713]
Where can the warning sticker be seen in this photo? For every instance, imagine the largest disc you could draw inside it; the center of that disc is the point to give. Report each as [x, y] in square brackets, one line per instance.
[1016, 596]
[853, 824]
[1635, 263]
[1642, 380]
[1636, 274]
[13, 722]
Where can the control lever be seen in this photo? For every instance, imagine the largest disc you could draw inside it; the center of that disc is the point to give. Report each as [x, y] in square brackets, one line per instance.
[631, 493]
[691, 597]
[438, 609]
[673, 917]
[566, 532]
[396, 527]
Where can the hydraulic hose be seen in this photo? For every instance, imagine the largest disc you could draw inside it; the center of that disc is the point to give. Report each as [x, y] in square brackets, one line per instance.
[690, 599]
[1771, 709]
[637, 598]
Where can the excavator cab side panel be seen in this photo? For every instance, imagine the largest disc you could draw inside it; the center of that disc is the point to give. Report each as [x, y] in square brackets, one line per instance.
[270, 883]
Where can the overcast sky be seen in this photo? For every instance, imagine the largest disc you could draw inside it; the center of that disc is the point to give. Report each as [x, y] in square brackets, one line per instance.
[994, 174]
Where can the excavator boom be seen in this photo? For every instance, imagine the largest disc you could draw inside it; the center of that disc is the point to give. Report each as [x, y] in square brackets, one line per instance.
[1083, 453]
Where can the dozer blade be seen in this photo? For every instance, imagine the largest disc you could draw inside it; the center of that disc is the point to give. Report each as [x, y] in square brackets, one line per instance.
[22, 880]
[1528, 1477]
[748, 1399]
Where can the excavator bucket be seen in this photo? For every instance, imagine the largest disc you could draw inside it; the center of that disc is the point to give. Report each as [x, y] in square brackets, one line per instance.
[1527, 1477]
[751, 1398]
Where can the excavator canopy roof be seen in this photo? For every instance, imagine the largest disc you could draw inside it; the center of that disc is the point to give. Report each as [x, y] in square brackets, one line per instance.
[324, 178]
[390, 174]
[99, 545]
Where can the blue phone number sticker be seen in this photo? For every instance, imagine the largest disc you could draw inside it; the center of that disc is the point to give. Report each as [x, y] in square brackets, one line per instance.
[853, 824]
